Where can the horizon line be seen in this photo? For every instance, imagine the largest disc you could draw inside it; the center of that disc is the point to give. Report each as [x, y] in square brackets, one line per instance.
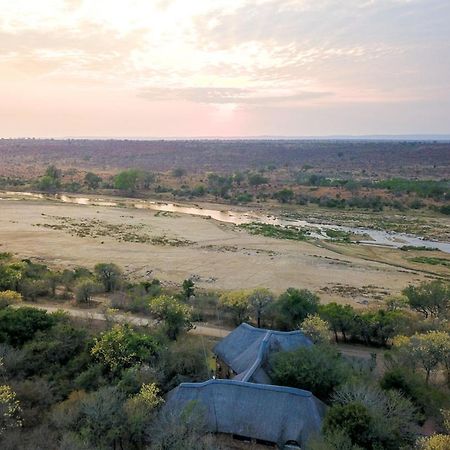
[364, 137]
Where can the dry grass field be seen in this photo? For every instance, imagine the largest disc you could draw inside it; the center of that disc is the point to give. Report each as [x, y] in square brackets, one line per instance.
[173, 247]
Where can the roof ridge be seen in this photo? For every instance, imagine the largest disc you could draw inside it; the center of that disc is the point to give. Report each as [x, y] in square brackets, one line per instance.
[277, 332]
[258, 386]
[259, 357]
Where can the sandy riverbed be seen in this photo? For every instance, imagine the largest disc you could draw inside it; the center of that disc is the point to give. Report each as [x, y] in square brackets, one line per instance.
[219, 255]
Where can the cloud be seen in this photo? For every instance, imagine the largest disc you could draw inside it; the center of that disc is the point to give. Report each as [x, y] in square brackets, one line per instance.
[262, 54]
[224, 95]
[73, 4]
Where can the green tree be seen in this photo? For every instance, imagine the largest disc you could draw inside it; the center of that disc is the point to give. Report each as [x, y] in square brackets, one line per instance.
[188, 288]
[319, 369]
[294, 305]
[92, 180]
[284, 196]
[340, 317]
[85, 290]
[428, 351]
[51, 180]
[379, 326]
[176, 316]
[52, 350]
[238, 178]
[11, 275]
[126, 180]
[121, 347]
[237, 303]
[131, 180]
[317, 329]
[140, 411]
[18, 326]
[109, 275]
[256, 179]
[53, 279]
[260, 301]
[430, 299]
[219, 185]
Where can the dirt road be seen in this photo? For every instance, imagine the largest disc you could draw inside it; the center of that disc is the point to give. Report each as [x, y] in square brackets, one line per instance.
[201, 330]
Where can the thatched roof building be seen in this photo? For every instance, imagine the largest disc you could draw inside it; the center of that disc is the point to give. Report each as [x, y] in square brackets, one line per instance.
[274, 414]
[246, 350]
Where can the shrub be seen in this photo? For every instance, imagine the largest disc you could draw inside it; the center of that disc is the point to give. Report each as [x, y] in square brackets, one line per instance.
[18, 326]
[352, 419]
[293, 306]
[121, 347]
[175, 315]
[85, 290]
[317, 329]
[392, 416]
[9, 298]
[319, 369]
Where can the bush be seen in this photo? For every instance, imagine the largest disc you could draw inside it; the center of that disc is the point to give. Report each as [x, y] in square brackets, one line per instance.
[109, 275]
[319, 369]
[18, 326]
[175, 315]
[293, 306]
[85, 290]
[428, 399]
[50, 351]
[9, 298]
[121, 347]
[317, 329]
[102, 420]
[352, 419]
[392, 416]
[185, 362]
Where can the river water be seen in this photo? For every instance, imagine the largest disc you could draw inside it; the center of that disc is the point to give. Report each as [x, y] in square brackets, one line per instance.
[366, 236]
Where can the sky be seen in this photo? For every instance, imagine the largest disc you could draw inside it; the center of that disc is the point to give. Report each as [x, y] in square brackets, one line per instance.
[193, 68]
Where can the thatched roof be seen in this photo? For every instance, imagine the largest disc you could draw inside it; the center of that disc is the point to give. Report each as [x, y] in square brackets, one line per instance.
[269, 413]
[246, 349]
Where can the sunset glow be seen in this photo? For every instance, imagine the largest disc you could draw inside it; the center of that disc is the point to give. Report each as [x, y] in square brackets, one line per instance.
[141, 68]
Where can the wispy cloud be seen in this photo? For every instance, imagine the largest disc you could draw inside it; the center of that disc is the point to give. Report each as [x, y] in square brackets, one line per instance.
[257, 54]
[221, 95]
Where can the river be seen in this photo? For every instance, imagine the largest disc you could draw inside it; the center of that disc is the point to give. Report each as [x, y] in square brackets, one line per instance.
[366, 236]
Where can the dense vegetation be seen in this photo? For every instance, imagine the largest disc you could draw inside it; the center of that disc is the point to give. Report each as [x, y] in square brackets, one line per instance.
[293, 183]
[69, 384]
[229, 155]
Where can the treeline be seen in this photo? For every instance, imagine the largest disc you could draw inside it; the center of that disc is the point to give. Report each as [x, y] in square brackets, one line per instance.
[253, 186]
[435, 189]
[132, 180]
[419, 309]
